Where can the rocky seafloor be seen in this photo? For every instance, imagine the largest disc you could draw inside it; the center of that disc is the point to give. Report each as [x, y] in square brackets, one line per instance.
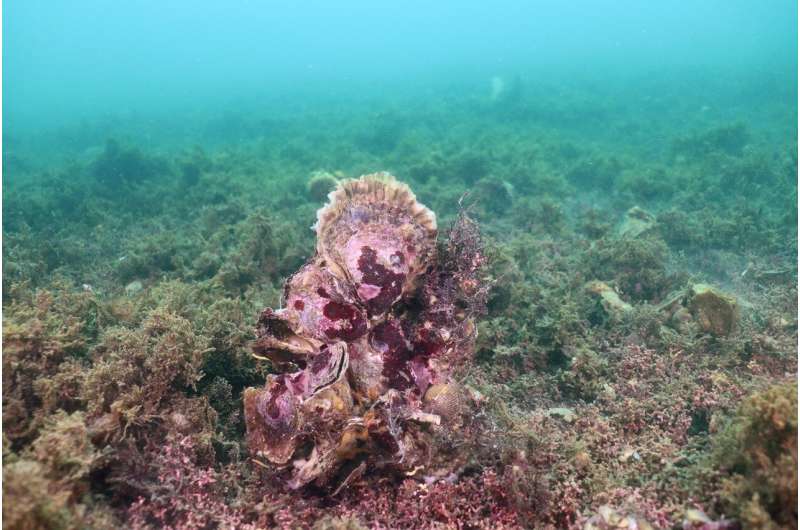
[636, 365]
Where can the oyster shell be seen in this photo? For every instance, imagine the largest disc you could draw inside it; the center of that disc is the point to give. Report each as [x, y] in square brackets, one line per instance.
[275, 415]
[370, 334]
[374, 234]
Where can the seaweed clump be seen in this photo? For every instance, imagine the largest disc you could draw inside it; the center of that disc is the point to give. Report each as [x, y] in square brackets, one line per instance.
[119, 165]
[637, 266]
[93, 393]
[729, 139]
[320, 184]
[759, 450]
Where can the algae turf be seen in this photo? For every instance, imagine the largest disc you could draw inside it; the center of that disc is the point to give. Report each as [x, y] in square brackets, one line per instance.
[133, 276]
[759, 450]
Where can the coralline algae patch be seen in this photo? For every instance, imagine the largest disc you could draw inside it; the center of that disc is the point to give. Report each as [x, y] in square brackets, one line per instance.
[373, 332]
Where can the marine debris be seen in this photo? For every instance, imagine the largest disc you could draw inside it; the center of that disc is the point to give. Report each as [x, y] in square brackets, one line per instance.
[376, 326]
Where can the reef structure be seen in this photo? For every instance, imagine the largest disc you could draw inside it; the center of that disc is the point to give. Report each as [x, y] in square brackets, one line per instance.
[375, 331]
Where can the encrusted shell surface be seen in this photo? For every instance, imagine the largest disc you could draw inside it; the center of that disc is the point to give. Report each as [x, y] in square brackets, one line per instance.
[272, 415]
[371, 379]
[319, 310]
[374, 233]
[320, 306]
[276, 413]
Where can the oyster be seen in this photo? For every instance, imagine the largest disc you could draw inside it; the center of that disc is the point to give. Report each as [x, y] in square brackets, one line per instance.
[374, 234]
[375, 327]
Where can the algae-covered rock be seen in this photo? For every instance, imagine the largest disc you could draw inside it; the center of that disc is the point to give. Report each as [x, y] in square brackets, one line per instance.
[585, 378]
[613, 305]
[636, 266]
[637, 222]
[681, 320]
[123, 165]
[714, 311]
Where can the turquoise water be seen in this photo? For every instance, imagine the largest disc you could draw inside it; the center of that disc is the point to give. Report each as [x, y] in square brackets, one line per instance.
[163, 162]
[147, 60]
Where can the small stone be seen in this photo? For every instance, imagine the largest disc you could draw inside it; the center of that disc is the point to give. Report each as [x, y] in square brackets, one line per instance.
[103, 427]
[607, 391]
[781, 324]
[338, 523]
[134, 288]
[694, 515]
[638, 523]
[629, 454]
[608, 518]
[767, 343]
[582, 460]
[568, 415]
[714, 311]
[697, 519]
[609, 515]
[637, 222]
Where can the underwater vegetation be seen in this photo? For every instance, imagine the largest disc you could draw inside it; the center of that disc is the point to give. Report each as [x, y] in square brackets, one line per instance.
[592, 332]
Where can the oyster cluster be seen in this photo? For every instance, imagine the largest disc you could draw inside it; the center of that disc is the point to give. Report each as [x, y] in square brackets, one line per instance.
[374, 330]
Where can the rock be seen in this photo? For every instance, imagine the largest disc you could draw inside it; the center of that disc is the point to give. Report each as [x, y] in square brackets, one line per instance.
[637, 222]
[495, 196]
[338, 523]
[613, 305]
[608, 392]
[680, 320]
[765, 343]
[714, 311]
[134, 288]
[696, 519]
[672, 302]
[780, 323]
[628, 453]
[608, 518]
[568, 415]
